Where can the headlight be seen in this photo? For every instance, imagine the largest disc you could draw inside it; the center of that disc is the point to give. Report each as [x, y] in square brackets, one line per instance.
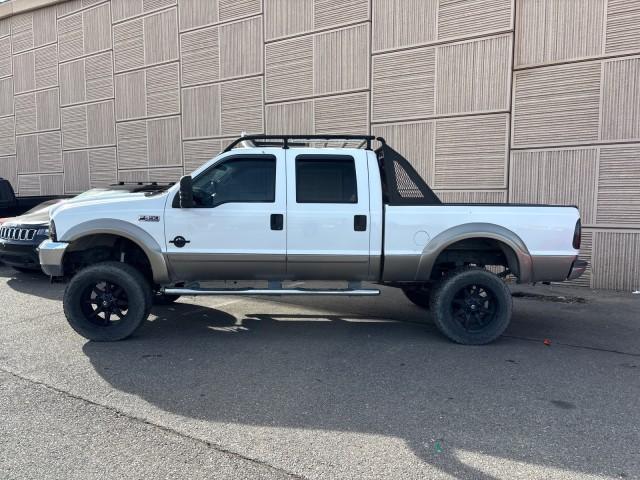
[43, 232]
[52, 231]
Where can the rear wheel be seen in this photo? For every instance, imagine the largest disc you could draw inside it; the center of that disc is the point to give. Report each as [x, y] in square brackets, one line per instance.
[471, 306]
[419, 296]
[107, 301]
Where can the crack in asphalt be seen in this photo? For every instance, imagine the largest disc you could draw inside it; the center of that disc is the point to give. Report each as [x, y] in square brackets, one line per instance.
[572, 345]
[214, 446]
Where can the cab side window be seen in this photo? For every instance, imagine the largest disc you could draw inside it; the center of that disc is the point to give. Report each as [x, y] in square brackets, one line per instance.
[237, 180]
[326, 179]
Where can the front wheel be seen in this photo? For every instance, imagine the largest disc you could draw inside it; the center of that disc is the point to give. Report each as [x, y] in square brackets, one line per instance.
[107, 301]
[471, 306]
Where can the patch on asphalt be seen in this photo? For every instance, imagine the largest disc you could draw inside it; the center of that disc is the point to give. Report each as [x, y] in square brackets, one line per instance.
[564, 405]
[549, 298]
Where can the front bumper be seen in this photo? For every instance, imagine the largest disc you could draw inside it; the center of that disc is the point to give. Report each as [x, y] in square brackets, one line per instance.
[577, 269]
[19, 254]
[51, 254]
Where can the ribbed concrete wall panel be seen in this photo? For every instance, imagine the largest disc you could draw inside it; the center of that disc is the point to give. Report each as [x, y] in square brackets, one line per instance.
[341, 60]
[197, 152]
[146, 41]
[24, 72]
[46, 66]
[6, 96]
[9, 169]
[621, 100]
[241, 106]
[196, 13]
[291, 118]
[47, 109]
[289, 69]
[473, 17]
[347, 114]
[414, 141]
[471, 153]
[50, 152]
[102, 167]
[89, 125]
[29, 185]
[549, 31]
[232, 9]
[6, 67]
[7, 136]
[619, 186]
[623, 27]
[287, 17]
[402, 23]
[27, 153]
[403, 85]
[332, 13]
[25, 113]
[22, 32]
[85, 32]
[131, 140]
[560, 177]
[161, 37]
[76, 171]
[151, 92]
[165, 147]
[557, 105]
[200, 56]
[52, 184]
[474, 76]
[471, 196]
[123, 9]
[246, 37]
[87, 80]
[616, 260]
[201, 111]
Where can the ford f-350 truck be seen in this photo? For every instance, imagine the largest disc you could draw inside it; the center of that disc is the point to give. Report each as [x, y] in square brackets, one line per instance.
[289, 208]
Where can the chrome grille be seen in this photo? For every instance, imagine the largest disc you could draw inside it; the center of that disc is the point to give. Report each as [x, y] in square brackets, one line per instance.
[15, 233]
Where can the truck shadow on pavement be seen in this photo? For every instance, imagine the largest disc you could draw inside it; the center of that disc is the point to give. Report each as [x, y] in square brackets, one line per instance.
[510, 401]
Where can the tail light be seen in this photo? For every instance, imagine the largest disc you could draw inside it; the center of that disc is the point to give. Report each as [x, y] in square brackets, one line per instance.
[577, 235]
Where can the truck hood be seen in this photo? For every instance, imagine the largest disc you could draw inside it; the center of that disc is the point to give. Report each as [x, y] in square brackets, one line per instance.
[133, 208]
[38, 215]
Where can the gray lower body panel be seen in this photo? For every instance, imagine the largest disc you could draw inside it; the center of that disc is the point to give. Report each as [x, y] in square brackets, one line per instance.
[548, 268]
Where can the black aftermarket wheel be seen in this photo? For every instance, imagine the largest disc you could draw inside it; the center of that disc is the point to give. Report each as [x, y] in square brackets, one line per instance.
[471, 306]
[107, 301]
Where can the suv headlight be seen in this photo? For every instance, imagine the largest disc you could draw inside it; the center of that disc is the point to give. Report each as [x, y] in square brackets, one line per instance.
[43, 232]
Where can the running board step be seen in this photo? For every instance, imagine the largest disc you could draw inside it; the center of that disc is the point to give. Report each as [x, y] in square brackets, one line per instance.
[271, 291]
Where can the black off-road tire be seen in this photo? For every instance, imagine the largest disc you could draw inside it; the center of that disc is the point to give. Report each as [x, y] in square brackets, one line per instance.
[164, 299]
[132, 287]
[418, 296]
[463, 314]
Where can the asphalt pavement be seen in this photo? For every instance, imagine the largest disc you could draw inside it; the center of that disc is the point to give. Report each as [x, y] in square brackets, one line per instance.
[320, 388]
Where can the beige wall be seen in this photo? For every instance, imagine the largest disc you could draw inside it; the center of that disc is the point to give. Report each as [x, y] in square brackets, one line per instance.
[492, 100]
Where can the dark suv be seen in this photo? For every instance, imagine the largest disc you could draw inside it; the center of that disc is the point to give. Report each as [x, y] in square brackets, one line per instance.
[21, 236]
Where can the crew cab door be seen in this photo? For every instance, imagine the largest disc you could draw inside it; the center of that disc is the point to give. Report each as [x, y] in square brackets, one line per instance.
[327, 215]
[236, 230]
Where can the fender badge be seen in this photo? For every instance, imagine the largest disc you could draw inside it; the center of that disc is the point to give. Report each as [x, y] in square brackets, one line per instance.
[148, 218]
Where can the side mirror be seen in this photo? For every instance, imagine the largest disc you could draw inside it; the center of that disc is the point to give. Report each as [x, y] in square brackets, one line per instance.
[186, 192]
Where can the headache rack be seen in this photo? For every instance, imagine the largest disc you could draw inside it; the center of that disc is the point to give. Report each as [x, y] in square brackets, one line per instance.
[287, 141]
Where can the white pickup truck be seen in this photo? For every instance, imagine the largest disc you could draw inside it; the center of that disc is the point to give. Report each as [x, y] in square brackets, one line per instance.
[275, 209]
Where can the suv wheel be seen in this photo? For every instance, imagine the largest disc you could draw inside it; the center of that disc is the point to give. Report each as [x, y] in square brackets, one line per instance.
[471, 306]
[107, 301]
[419, 296]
